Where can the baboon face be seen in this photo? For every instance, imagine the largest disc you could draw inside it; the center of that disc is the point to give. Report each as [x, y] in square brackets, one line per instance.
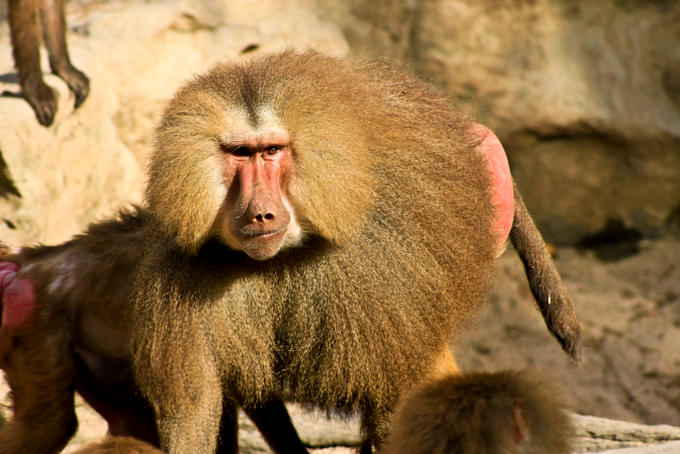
[256, 217]
[245, 155]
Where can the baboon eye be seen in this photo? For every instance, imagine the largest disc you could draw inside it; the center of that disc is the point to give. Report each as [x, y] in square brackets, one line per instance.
[236, 150]
[272, 149]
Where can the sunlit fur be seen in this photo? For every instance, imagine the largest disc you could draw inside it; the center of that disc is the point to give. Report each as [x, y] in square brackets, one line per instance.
[119, 445]
[393, 200]
[507, 412]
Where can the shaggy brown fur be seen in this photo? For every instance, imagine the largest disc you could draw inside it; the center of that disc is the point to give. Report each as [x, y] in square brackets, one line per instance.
[509, 412]
[78, 343]
[119, 445]
[27, 18]
[394, 201]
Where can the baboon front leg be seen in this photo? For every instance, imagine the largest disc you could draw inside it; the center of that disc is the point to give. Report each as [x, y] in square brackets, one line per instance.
[273, 422]
[189, 411]
[375, 422]
[24, 25]
[54, 32]
[227, 443]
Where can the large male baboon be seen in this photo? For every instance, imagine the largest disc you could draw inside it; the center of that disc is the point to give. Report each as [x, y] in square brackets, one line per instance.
[27, 18]
[318, 229]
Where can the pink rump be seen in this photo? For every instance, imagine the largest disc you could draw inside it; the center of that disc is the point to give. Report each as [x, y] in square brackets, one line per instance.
[502, 196]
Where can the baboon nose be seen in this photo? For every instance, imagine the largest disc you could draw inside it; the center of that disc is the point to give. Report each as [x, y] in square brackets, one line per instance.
[263, 218]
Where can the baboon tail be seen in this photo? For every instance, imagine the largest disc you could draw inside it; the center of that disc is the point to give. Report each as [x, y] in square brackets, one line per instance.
[545, 281]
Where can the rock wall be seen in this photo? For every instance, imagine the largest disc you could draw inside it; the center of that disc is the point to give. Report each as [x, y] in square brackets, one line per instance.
[584, 95]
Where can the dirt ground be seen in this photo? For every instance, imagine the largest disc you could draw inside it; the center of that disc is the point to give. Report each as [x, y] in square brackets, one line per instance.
[627, 296]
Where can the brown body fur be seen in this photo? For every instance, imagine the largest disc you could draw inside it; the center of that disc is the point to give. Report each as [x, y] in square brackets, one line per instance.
[508, 412]
[396, 202]
[119, 445]
[78, 342]
[74, 341]
[27, 18]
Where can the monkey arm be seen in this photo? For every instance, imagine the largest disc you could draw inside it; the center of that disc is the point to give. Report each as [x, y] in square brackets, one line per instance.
[198, 424]
[24, 24]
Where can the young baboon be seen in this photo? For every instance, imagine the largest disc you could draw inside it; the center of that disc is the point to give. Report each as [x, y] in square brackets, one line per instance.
[63, 330]
[318, 229]
[27, 18]
[508, 412]
[119, 445]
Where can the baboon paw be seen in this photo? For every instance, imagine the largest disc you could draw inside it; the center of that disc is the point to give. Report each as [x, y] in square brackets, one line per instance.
[78, 83]
[43, 100]
[571, 340]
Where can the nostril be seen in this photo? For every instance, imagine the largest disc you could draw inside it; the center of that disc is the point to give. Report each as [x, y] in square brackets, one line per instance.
[264, 217]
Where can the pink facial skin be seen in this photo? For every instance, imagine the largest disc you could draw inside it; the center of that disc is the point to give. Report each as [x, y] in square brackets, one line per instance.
[255, 170]
[501, 183]
[18, 297]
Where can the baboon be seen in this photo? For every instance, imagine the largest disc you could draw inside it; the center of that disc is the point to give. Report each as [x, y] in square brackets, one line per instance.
[63, 330]
[507, 412]
[318, 229]
[27, 18]
[119, 445]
